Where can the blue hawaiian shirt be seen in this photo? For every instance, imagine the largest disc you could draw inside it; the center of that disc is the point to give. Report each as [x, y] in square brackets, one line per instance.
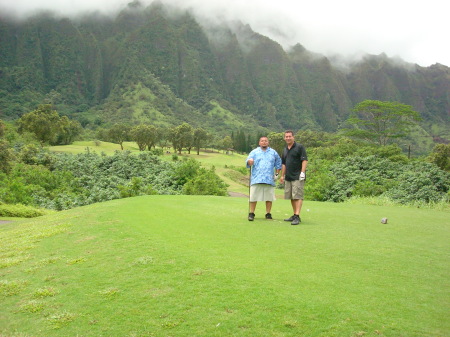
[264, 164]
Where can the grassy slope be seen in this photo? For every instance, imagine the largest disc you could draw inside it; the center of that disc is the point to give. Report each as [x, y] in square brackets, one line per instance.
[194, 266]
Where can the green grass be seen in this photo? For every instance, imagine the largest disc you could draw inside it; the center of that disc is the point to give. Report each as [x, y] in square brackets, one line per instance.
[94, 146]
[194, 266]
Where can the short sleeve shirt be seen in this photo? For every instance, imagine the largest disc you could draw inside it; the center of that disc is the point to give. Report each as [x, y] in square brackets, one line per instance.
[264, 164]
[292, 158]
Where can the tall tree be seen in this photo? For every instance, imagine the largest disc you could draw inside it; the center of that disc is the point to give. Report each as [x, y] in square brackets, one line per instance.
[277, 141]
[182, 137]
[44, 123]
[144, 135]
[119, 133]
[200, 136]
[379, 121]
[2, 128]
[69, 130]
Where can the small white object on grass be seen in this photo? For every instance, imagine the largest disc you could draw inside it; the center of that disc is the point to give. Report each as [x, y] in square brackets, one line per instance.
[384, 220]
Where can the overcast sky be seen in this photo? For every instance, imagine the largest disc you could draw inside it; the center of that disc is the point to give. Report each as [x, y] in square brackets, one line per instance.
[415, 31]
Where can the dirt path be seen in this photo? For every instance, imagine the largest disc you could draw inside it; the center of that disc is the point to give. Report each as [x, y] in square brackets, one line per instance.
[4, 221]
[236, 194]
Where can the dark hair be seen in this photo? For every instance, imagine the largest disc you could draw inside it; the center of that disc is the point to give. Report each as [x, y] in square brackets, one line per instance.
[289, 131]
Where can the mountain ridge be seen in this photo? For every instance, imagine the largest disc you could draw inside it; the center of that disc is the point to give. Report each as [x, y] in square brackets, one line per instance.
[150, 65]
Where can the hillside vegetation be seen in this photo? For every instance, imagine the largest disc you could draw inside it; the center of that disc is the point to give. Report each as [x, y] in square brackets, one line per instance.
[149, 65]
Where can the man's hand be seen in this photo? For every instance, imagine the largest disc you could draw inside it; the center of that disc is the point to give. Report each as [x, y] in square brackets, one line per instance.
[281, 180]
[302, 176]
[250, 162]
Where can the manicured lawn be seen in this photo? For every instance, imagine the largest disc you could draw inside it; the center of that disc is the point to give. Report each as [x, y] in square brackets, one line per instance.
[93, 146]
[194, 266]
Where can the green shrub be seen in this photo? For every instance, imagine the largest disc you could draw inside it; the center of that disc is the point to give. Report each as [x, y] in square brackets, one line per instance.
[368, 188]
[421, 182]
[206, 182]
[441, 156]
[20, 211]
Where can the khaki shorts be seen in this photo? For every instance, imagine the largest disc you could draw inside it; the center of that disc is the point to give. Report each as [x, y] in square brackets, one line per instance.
[262, 192]
[294, 189]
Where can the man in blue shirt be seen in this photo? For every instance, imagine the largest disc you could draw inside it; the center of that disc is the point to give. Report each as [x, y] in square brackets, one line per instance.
[263, 161]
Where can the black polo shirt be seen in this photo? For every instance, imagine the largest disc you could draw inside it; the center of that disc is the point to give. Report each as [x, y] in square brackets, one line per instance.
[293, 159]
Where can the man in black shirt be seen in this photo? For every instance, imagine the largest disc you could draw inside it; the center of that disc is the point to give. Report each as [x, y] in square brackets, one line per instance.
[293, 174]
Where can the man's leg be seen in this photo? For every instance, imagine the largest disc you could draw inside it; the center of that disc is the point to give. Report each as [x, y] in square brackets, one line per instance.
[268, 206]
[296, 206]
[252, 206]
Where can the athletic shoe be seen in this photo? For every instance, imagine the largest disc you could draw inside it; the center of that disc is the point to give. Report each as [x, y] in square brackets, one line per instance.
[251, 216]
[290, 219]
[296, 220]
[269, 216]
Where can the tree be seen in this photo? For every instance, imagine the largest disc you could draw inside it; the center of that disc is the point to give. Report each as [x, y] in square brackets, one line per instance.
[441, 156]
[69, 129]
[277, 141]
[227, 143]
[379, 121]
[6, 156]
[163, 137]
[43, 122]
[200, 136]
[144, 135]
[2, 128]
[182, 136]
[118, 134]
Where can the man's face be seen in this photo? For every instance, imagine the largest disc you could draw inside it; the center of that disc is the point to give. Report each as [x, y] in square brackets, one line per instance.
[263, 142]
[289, 138]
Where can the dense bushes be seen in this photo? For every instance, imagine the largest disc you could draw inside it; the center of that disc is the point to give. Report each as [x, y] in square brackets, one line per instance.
[375, 175]
[67, 180]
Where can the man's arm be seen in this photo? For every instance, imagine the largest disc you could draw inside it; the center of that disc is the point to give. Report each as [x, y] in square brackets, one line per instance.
[283, 172]
[304, 164]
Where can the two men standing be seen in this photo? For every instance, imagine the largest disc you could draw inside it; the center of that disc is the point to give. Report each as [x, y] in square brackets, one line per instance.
[264, 161]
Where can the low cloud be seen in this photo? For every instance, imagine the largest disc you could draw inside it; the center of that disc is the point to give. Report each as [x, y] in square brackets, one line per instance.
[413, 33]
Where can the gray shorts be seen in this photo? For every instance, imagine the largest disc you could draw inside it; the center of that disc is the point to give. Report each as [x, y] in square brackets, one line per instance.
[294, 189]
[262, 192]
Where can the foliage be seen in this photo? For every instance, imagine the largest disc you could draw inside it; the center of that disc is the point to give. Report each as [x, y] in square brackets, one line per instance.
[119, 133]
[20, 211]
[145, 136]
[48, 127]
[205, 182]
[2, 128]
[182, 136]
[441, 156]
[375, 176]
[6, 156]
[227, 143]
[69, 131]
[421, 181]
[200, 137]
[147, 66]
[63, 181]
[44, 123]
[276, 141]
[380, 122]
[134, 188]
[185, 170]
